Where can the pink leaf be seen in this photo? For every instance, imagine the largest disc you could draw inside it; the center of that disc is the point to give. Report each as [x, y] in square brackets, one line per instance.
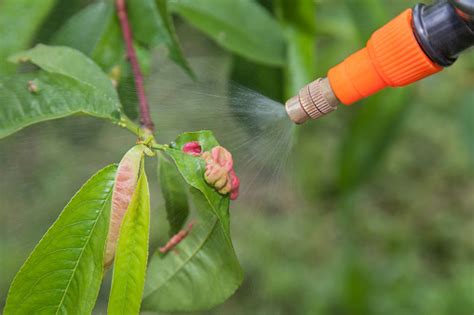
[192, 148]
[125, 184]
[220, 172]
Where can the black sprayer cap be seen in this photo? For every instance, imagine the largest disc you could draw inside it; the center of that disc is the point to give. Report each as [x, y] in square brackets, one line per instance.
[466, 7]
[444, 29]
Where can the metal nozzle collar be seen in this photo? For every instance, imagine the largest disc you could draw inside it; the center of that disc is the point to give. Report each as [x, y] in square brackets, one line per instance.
[313, 101]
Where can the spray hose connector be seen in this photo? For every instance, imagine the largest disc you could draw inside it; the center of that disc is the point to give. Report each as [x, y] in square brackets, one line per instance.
[415, 44]
[313, 101]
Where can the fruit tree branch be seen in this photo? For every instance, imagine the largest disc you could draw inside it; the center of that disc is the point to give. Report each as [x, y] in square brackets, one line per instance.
[145, 118]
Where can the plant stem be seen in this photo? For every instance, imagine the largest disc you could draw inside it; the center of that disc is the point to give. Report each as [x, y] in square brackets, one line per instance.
[162, 147]
[125, 122]
[145, 118]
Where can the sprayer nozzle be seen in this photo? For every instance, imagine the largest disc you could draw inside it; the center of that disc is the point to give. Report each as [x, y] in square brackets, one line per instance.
[313, 101]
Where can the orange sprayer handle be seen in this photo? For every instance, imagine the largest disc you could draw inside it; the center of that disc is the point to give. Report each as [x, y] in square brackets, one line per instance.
[392, 57]
[412, 46]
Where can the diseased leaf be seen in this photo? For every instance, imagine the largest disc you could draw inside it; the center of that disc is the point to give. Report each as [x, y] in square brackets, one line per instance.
[242, 26]
[30, 98]
[153, 26]
[126, 182]
[203, 272]
[64, 271]
[132, 253]
[205, 138]
[192, 169]
[174, 193]
[19, 21]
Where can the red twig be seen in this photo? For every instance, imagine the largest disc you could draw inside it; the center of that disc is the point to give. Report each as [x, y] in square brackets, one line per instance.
[145, 118]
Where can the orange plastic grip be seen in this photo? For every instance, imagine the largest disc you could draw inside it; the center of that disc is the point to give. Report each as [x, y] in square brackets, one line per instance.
[392, 57]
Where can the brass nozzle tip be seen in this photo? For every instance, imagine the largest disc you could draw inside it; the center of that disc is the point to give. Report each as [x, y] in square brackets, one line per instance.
[313, 101]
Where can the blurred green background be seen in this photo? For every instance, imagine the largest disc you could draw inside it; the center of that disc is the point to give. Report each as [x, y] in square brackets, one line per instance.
[380, 216]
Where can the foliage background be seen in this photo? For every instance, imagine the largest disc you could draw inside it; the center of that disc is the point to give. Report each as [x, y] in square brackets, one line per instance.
[380, 218]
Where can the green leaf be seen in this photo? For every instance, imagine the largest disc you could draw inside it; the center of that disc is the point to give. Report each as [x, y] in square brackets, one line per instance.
[64, 271]
[126, 181]
[94, 31]
[467, 123]
[301, 62]
[174, 193]
[205, 138]
[132, 253]
[34, 97]
[192, 169]
[298, 20]
[71, 63]
[242, 26]
[367, 16]
[60, 14]
[84, 30]
[57, 96]
[153, 26]
[202, 273]
[370, 134]
[19, 21]
[300, 14]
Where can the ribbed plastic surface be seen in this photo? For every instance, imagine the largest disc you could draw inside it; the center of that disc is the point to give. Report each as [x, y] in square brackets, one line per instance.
[313, 101]
[398, 57]
[315, 104]
[392, 57]
[308, 104]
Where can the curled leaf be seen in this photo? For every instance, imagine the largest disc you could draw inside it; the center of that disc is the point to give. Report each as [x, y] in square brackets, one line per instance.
[205, 270]
[176, 239]
[131, 258]
[220, 172]
[125, 184]
[235, 185]
[192, 148]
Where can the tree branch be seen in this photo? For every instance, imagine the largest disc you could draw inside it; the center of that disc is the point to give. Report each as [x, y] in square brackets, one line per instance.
[145, 118]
